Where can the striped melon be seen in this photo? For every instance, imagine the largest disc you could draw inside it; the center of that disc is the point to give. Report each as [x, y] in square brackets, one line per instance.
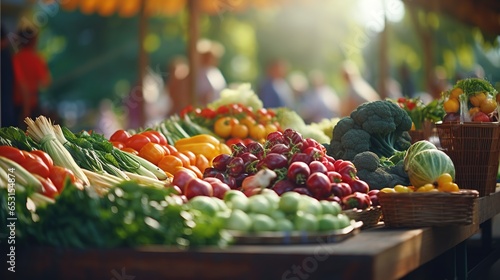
[416, 147]
[426, 166]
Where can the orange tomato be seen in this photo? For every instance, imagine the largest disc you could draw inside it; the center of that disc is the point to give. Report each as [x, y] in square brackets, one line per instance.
[270, 128]
[239, 130]
[185, 160]
[152, 152]
[170, 164]
[202, 162]
[247, 120]
[196, 170]
[191, 156]
[171, 148]
[488, 106]
[223, 126]
[258, 131]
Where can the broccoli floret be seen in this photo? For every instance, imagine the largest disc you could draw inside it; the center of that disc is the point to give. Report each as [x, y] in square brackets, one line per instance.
[371, 169]
[377, 179]
[385, 129]
[366, 160]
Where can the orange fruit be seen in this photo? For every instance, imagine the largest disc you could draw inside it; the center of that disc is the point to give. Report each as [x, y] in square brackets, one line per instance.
[239, 130]
[258, 131]
[170, 163]
[456, 92]
[452, 105]
[489, 105]
[477, 99]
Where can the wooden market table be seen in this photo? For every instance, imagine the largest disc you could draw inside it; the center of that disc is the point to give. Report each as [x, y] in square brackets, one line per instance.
[378, 253]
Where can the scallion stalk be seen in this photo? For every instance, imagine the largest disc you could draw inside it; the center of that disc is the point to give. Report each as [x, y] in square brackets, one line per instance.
[42, 131]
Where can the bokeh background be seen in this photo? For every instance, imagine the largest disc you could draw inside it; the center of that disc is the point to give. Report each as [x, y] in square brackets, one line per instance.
[97, 50]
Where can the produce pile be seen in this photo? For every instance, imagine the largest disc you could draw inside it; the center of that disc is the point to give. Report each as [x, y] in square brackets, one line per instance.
[471, 99]
[232, 166]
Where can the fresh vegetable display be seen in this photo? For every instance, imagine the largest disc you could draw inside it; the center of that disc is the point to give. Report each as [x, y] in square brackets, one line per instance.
[471, 99]
[285, 162]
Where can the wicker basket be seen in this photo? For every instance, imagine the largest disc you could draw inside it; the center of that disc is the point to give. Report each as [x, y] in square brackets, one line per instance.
[475, 151]
[370, 216]
[422, 209]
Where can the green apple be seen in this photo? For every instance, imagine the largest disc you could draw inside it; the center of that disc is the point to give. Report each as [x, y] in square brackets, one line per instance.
[289, 202]
[344, 220]
[204, 204]
[221, 205]
[262, 222]
[259, 204]
[230, 194]
[330, 207]
[306, 221]
[284, 225]
[328, 222]
[277, 214]
[272, 196]
[239, 202]
[310, 205]
[238, 220]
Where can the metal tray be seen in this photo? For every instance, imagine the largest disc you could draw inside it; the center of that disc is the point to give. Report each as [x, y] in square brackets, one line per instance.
[295, 237]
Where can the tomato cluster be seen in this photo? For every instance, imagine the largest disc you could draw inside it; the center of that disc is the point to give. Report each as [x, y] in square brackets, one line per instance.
[41, 165]
[236, 122]
[152, 146]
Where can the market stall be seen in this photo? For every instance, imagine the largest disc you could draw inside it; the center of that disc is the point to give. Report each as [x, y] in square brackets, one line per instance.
[234, 190]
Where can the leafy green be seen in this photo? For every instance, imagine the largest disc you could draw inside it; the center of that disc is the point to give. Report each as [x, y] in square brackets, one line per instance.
[14, 136]
[128, 215]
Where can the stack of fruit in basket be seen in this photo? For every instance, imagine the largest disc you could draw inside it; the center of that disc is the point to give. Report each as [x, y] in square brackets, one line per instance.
[471, 99]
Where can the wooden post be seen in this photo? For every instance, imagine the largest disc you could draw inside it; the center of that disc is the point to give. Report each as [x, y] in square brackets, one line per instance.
[383, 62]
[193, 35]
[143, 61]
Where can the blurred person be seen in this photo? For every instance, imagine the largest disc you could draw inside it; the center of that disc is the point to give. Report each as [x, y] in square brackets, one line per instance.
[31, 75]
[439, 82]
[210, 80]
[300, 85]
[407, 83]
[177, 84]
[8, 116]
[107, 120]
[320, 101]
[275, 91]
[359, 90]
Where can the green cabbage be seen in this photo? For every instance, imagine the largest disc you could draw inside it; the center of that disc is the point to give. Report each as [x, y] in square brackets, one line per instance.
[416, 147]
[426, 166]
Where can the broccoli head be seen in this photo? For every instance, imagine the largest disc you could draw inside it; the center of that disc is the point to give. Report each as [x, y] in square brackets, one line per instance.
[377, 173]
[379, 126]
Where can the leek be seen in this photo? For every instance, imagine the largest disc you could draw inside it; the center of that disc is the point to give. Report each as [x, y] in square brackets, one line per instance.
[42, 131]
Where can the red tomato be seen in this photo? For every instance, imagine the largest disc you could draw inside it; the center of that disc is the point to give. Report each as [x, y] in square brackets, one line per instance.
[45, 157]
[12, 153]
[162, 140]
[120, 136]
[118, 145]
[208, 113]
[137, 141]
[59, 175]
[34, 164]
[152, 137]
[49, 190]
